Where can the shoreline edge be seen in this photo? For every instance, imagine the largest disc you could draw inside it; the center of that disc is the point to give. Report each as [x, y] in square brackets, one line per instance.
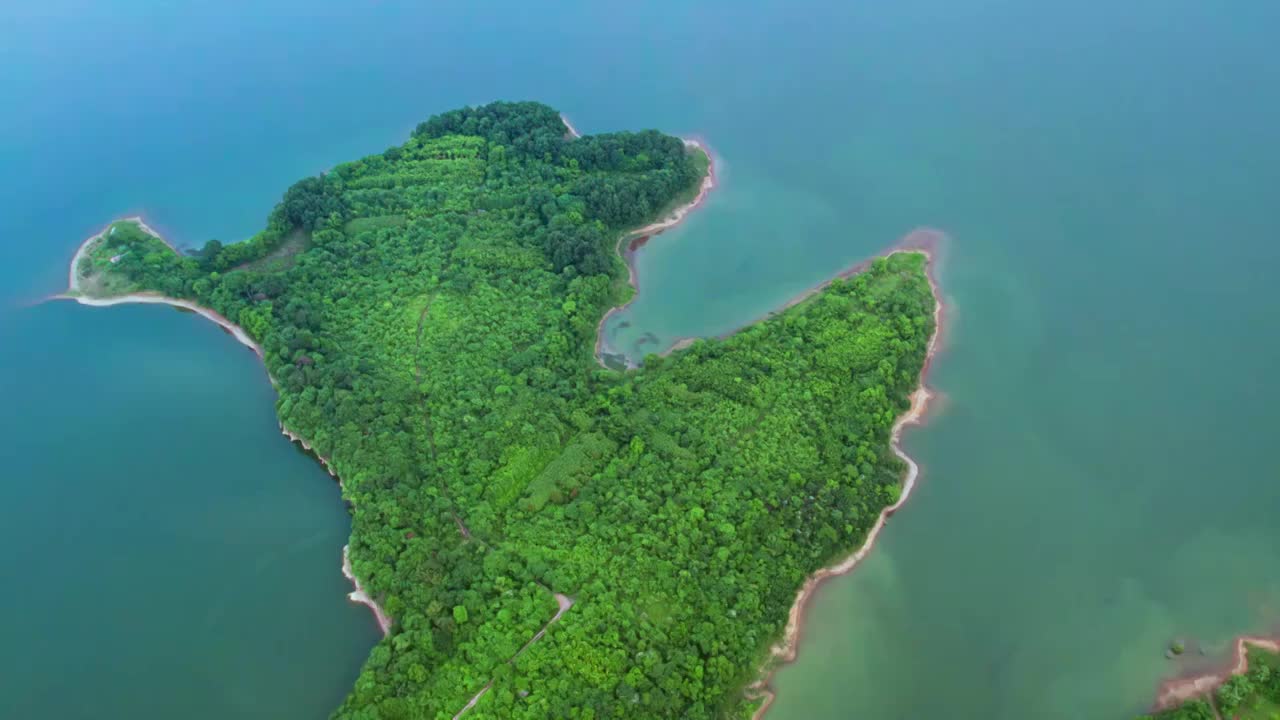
[924, 241]
[627, 253]
[1176, 691]
[358, 595]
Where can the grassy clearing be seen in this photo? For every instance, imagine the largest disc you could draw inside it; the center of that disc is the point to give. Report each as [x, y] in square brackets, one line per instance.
[283, 257]
[365, 224]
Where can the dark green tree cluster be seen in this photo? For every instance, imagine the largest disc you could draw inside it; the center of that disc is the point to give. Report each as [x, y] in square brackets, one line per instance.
[311, 202]
[435, 341]
[528, 129]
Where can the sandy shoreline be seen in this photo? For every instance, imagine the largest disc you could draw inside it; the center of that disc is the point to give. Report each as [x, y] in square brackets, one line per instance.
[358, 595]
[924, 241]
[627, 253]
[157, 299]
[1178, 691]
[573, 131]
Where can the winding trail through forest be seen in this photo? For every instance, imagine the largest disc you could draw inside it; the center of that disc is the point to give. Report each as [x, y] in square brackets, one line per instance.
[565, 602]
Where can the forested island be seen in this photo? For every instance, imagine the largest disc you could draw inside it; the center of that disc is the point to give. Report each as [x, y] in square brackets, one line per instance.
[548, 537]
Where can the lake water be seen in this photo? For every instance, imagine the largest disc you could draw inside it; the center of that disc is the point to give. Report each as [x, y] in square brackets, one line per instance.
[1097, 480]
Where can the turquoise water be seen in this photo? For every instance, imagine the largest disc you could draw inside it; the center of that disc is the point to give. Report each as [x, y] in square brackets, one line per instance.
[1096, 482]
[170, 555]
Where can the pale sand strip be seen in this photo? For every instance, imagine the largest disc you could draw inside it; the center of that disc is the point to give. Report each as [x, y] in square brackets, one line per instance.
[573, 131]
[146, 298]
[360, 596]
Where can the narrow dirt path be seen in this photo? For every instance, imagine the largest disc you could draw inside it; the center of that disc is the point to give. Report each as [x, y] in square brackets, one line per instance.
[565, 603]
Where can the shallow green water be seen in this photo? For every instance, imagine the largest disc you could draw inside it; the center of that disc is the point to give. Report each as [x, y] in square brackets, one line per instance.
[1097, 480]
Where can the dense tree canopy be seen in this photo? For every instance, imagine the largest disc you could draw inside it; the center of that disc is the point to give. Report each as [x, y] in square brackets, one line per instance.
[429, 314]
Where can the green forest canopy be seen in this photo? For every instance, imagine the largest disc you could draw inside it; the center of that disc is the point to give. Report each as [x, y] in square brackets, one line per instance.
[429, 317]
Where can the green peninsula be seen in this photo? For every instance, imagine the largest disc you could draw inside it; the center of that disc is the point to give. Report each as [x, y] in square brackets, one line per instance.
[429, 317]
